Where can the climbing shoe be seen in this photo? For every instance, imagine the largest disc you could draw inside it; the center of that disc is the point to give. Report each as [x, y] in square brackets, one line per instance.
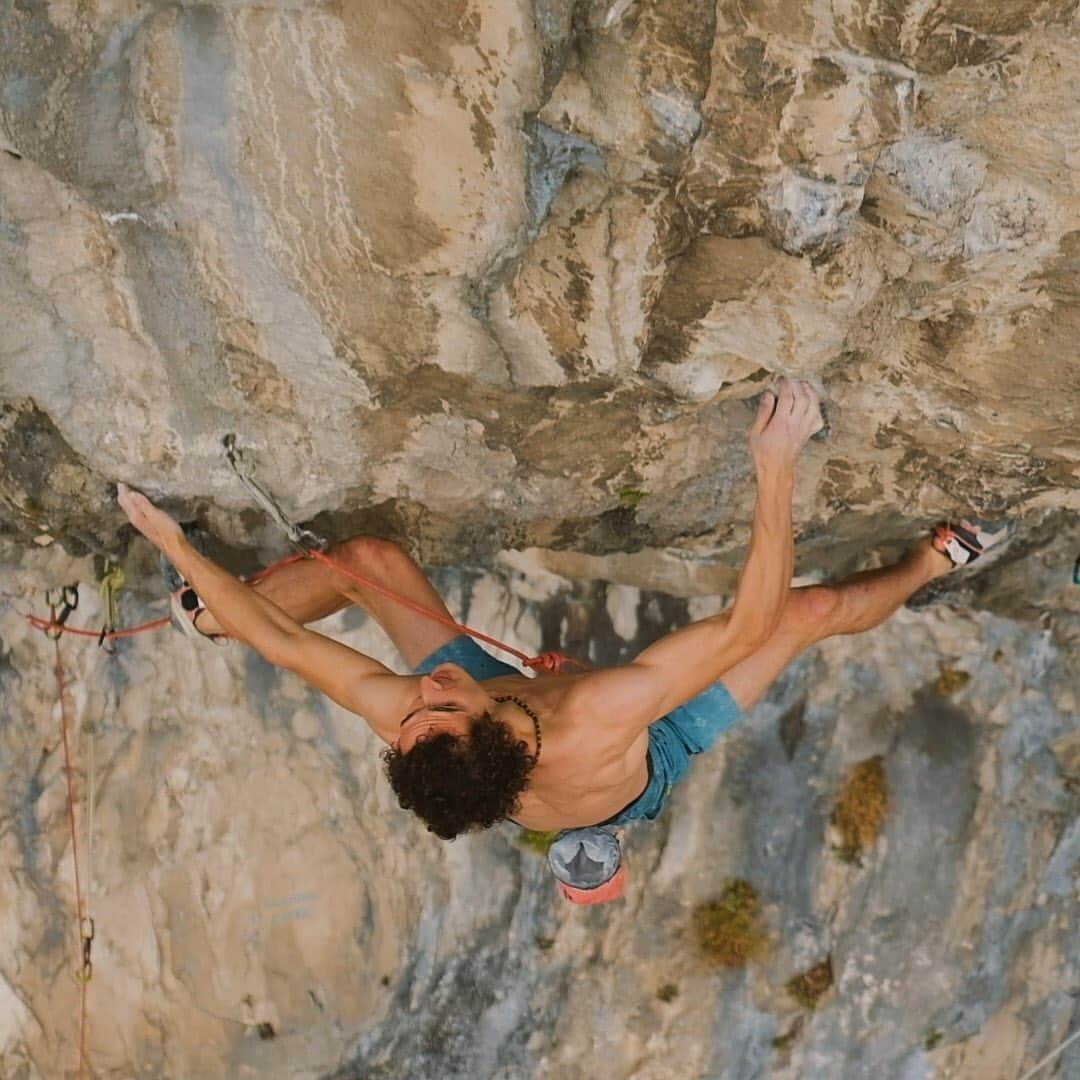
[962, 542]
[185, 604]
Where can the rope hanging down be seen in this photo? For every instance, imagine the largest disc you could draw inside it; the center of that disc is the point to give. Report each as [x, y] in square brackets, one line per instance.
[84, 924]
[311, 546]
[1053, 1054]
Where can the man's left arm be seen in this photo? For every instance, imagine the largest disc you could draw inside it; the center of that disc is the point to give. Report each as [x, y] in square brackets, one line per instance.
[683, 663]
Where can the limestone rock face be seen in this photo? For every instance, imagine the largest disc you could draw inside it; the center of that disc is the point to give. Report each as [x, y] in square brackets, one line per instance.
[264, 909]
[498, 281]
[450, 264]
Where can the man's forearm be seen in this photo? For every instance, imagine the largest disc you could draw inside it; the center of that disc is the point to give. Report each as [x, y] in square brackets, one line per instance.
[241, 611]
[766, 574]
[681, 664]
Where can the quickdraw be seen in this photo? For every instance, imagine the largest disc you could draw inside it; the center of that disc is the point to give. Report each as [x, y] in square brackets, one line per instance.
[86, 972]
[304, 540]
[112, 582]
[66, 598]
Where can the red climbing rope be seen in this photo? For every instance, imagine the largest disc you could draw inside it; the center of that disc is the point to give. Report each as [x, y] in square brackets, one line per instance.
[552, 662]
[107, 635]
[85, 936]
[549, 661]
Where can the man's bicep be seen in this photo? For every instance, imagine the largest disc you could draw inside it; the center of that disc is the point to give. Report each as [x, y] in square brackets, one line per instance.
[661, 677]
[686, 661]
[355, 681]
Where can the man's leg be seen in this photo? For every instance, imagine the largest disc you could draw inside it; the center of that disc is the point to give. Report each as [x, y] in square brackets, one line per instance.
[819, 611]
[307, 590]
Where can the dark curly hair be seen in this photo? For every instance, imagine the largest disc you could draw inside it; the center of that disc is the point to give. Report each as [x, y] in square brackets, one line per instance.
[461, 783]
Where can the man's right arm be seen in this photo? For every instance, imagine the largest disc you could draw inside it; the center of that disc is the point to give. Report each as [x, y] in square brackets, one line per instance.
[355, 681]
[693, 657]
[686, 661]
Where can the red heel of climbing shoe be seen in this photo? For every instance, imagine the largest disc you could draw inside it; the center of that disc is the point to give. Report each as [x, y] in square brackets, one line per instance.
[962, 542]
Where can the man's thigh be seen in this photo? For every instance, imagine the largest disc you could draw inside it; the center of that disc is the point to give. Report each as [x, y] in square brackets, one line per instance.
[808, 617]
[414, 634]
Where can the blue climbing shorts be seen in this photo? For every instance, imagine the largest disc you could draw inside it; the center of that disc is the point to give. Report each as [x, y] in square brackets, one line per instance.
[673, 739]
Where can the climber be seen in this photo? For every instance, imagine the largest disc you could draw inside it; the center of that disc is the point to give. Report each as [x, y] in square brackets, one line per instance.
[471, 741]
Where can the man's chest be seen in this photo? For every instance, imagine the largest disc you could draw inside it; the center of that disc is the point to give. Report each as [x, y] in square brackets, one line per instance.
[583, 782]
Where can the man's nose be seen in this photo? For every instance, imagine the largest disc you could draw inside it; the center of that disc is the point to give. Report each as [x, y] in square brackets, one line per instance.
[431, 689]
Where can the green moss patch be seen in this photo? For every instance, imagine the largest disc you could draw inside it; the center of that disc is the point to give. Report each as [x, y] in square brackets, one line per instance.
[950, 680]
[861, 809]
[808, 988]
[532, 840]
[728, 929]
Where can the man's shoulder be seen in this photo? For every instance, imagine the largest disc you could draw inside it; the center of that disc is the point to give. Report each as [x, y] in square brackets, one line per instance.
[626, 697]
[506, 682]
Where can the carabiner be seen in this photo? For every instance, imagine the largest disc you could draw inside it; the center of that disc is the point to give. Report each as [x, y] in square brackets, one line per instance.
[112, 580]
[87, 930]
[67, 599]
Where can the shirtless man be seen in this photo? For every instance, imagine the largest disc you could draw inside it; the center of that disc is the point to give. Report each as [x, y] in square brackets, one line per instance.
[471, 741]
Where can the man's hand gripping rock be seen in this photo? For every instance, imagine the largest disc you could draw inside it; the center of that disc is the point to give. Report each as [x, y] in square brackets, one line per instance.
[786, 418]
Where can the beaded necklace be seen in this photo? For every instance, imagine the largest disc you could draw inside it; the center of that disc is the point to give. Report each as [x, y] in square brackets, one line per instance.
[528, 712]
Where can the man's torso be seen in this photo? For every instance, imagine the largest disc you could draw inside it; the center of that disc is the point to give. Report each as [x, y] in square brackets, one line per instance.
[586, 773]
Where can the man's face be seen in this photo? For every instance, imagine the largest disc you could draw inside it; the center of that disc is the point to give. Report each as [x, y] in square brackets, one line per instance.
[449, 700]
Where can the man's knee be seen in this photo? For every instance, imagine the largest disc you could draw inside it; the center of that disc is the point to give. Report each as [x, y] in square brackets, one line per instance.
[819, 610]
[372, 553]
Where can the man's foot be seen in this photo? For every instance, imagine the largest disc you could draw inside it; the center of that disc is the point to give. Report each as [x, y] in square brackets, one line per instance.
[185, 605]
[962, 542]
[945, 582]
[185, 610]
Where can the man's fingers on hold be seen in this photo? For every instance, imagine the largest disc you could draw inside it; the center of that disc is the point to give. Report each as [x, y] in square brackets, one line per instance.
[766, 407]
